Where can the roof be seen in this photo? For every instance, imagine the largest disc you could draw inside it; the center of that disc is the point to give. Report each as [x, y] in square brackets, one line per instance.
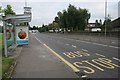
[116, 22]
[91, 23]
[16, 19]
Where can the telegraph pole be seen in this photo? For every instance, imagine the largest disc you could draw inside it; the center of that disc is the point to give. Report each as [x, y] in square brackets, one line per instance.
[25, 3]
[105, 16]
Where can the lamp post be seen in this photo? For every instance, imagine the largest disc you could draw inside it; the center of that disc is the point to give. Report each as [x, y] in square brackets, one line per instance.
[105, 16]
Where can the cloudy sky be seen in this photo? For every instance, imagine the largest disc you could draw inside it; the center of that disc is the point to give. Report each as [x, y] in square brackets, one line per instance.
[44, 11]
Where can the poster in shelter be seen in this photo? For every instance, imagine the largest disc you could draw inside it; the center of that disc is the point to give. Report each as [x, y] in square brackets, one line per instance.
[22, 35]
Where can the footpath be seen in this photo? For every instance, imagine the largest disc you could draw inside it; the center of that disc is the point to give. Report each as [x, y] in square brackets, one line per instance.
[36, 61]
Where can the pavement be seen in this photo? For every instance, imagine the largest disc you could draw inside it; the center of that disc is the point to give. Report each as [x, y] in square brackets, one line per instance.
[37, 61]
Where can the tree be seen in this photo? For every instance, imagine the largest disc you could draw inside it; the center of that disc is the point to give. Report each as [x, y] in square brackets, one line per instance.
[96, 23]
[34, 28]
[73, 18]
[24, 24]
[55, 25]
[8, 10]
[56, 20]
[44, 28]
[100, 21]
[107, 22]
[50, 26]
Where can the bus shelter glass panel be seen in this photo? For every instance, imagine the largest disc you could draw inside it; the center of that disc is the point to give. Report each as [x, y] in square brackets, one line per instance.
[10, 34]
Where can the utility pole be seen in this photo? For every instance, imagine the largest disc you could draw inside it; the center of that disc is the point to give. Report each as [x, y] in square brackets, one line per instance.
[105, 16]
[25, 3]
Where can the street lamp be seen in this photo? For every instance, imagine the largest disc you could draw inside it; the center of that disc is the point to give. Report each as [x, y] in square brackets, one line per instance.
[105, 16]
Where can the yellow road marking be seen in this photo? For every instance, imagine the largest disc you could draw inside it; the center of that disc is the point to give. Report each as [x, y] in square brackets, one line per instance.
[74, 46]
[65, 61]
[107, 61]
[70, 54]
[116, 59]
[89, 71]
[76, 54]
[106, 65]
[93, 65]
[85, 50]
[85, 76]
[99, 55]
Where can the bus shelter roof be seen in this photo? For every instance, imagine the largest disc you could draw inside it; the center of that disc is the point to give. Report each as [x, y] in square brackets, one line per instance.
[16, 19]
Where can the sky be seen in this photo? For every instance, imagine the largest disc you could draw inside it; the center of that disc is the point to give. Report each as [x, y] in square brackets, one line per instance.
[44, 12]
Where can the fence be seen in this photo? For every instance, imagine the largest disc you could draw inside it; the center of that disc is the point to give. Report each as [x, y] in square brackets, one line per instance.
[111, 39]
[97, 37]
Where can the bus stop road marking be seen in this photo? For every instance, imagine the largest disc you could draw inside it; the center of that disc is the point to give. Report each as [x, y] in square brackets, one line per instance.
[99, 55]
[116, 59]
[74, 46]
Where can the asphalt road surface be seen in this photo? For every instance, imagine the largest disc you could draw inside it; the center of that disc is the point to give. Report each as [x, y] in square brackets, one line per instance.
[95, 60]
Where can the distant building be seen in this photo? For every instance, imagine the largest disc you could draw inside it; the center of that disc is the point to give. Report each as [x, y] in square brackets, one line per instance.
[116, 24]
[92, 27]
[119, 9]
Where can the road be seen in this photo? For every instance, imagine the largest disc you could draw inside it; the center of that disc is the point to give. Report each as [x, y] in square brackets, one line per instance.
[95, 60]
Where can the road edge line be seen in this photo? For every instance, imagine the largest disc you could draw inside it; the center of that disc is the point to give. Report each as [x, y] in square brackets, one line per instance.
[65, 61]
[38, 40]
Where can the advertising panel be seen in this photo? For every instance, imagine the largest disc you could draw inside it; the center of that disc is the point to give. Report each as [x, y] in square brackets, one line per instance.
[22, 35]
[10, 35]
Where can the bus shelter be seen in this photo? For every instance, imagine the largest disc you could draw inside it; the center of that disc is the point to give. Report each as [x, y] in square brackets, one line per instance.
[10, 29]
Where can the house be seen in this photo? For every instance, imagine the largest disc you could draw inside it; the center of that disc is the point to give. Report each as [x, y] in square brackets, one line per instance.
[92, 27]
[116, 24]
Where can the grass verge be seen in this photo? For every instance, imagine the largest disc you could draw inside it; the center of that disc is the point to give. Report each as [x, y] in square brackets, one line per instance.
[6, 63]
[1, 41]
